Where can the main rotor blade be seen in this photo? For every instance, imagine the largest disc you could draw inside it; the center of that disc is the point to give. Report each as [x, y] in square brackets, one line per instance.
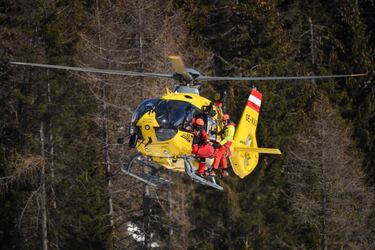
[93, 70]
[270, 78]
[179, 67]
[177, 64]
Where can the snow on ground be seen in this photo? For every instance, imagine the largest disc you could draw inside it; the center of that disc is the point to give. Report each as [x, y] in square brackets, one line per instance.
[138, 235]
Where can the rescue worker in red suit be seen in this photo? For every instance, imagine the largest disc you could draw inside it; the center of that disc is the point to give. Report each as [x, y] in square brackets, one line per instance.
[223, 147]
[201, 147]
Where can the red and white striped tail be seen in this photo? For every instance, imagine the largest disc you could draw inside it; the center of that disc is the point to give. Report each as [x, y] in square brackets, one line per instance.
[255, 100]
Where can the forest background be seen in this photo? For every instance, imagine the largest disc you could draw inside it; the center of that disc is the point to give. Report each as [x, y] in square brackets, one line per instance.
[60, 183]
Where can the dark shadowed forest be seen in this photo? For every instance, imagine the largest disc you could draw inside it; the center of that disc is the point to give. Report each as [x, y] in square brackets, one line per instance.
[60, 181]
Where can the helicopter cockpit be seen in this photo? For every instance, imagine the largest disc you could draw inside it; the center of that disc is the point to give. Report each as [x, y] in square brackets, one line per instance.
[171, 115]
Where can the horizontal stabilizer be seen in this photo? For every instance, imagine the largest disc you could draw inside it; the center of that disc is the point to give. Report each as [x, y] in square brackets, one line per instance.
[274, 151]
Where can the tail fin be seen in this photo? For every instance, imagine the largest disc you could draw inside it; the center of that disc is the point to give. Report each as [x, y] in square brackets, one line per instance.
[244, 161]
[245, 131]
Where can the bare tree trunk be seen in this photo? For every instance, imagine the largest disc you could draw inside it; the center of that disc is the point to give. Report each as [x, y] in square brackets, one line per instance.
[140, 35]
[106, 140]
[312, 49]
[21, 109]
[312, 45]
[107, 166]
[323, 240]
[43, 185]
[146, 193]
[106, 154]
[51, 149]
[170, 208]
[146, 216]
[50, 124]
[323, 236]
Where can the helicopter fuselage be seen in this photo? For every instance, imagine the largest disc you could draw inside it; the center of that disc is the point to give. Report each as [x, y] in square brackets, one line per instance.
[164, 127]
[162, 131]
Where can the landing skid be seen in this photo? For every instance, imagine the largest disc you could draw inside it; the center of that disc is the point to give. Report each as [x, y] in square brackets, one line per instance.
[190, 171]
[153, 180]
[150, 179]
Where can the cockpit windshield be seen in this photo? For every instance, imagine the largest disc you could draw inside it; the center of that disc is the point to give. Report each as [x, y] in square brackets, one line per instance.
[144, 107]
[174, 114]
[170, 114]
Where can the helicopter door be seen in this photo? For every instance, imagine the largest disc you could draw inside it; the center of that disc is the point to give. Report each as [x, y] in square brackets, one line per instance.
[190, 114]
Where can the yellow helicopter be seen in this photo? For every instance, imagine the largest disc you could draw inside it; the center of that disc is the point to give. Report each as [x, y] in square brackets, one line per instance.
[159, 128]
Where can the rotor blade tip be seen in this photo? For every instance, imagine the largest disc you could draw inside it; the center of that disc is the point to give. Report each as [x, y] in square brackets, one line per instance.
[361, 74]
[174, 57]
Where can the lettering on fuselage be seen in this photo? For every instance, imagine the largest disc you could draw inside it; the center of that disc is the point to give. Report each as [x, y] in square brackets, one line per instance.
[148, 120]
[251, 120]
[187, 137]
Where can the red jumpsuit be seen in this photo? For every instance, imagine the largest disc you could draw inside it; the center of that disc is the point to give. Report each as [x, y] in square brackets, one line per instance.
[201, 148]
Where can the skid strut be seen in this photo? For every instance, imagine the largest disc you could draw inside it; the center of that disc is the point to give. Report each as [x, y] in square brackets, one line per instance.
[190, 171]
[148, 178]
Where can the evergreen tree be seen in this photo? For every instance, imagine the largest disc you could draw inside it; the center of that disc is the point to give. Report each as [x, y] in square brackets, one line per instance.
[48, 33]
[59, 179]
[249, 39]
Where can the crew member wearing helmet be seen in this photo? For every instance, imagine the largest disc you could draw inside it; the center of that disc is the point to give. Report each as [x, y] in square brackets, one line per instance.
[201, 147]
[220, 157]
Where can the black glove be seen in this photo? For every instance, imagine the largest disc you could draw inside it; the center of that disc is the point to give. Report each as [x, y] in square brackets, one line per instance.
[216, 145]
